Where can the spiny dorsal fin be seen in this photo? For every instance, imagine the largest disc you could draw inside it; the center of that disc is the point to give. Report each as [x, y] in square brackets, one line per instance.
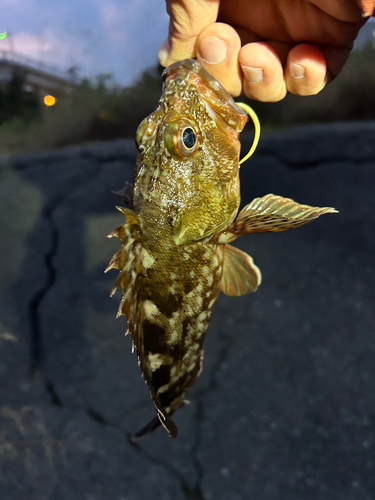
[271, 213]
[126, 259]
[240, 274]
[126, 194]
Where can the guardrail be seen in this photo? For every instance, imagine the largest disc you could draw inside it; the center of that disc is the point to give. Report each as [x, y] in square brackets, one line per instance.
[17, 58]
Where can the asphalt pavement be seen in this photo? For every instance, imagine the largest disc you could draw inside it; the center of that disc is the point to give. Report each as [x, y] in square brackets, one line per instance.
[285, 406]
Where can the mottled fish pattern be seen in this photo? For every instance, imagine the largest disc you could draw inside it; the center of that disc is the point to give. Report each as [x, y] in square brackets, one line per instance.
[175, 255]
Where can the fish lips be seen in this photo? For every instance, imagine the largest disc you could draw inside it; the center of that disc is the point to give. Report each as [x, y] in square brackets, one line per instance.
[218, 101]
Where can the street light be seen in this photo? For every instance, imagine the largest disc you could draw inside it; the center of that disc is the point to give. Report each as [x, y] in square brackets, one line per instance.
[49, 100]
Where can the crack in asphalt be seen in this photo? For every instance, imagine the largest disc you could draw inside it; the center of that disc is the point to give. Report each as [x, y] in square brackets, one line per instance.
[55, 398]
[37, 360]
[190, 493]
[213, 383]
[98, 417]
[36, 350]
[36, 346]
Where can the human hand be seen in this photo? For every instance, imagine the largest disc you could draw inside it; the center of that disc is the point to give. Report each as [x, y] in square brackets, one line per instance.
[267, 48]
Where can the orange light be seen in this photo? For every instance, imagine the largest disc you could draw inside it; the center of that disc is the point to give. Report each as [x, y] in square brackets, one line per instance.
[49, 100]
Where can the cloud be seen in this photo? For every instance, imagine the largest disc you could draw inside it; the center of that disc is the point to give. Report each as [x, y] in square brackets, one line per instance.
[15, 4]
[53, 48]
[131, 20]
[135, 29]
[116, 36]
[113, 19]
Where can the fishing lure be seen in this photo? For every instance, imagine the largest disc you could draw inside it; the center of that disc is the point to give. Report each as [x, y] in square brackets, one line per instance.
[175, 255]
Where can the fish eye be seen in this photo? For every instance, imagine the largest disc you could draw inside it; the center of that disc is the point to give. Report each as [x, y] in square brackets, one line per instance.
[180, 138]
[189, 138]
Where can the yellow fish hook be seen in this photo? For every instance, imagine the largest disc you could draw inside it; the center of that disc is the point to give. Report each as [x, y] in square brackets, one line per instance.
[256, 122]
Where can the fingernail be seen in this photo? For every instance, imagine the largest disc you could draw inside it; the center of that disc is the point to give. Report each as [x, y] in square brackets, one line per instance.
[252, 75]
[213, 50]
[164, 53]
[297, 71]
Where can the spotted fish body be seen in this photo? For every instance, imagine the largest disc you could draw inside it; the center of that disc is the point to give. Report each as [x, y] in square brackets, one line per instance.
[175, 255]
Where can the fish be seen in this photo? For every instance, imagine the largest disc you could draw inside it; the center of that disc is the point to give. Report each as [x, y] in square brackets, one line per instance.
[175, 254]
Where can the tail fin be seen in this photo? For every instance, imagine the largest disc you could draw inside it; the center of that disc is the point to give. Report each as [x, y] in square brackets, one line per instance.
[147, 429]
[160, 419]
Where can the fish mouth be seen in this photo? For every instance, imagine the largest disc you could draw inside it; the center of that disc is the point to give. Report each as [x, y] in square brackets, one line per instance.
[214, 94]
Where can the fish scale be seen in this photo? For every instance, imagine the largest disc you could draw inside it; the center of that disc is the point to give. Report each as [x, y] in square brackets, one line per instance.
[175, 257]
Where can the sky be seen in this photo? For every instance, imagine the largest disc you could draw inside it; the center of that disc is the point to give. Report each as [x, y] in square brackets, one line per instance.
[121, 37]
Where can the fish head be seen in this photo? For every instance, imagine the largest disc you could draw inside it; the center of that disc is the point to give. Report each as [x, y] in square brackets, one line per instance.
[189, 154]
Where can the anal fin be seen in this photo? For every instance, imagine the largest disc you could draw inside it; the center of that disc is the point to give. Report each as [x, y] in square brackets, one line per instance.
[240, 274]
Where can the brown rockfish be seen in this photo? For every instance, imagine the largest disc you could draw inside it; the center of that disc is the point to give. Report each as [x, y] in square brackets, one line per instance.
[175, 255]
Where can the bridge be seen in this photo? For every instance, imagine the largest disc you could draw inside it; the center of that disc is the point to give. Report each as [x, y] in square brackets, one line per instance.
[39, 77]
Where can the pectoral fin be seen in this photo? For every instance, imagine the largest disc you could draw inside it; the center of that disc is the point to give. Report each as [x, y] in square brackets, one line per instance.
[240, 274]
[271, 213]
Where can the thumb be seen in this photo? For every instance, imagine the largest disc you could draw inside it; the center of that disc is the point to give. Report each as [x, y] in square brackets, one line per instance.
[188, 18]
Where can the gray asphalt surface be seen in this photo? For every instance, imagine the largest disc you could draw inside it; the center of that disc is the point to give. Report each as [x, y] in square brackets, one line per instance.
[285, 406]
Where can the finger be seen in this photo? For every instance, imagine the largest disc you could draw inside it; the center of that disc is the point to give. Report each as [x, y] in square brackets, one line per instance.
[335, 58]
[218, 47]
[306, 70]
[188, 18]
[263, 74]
